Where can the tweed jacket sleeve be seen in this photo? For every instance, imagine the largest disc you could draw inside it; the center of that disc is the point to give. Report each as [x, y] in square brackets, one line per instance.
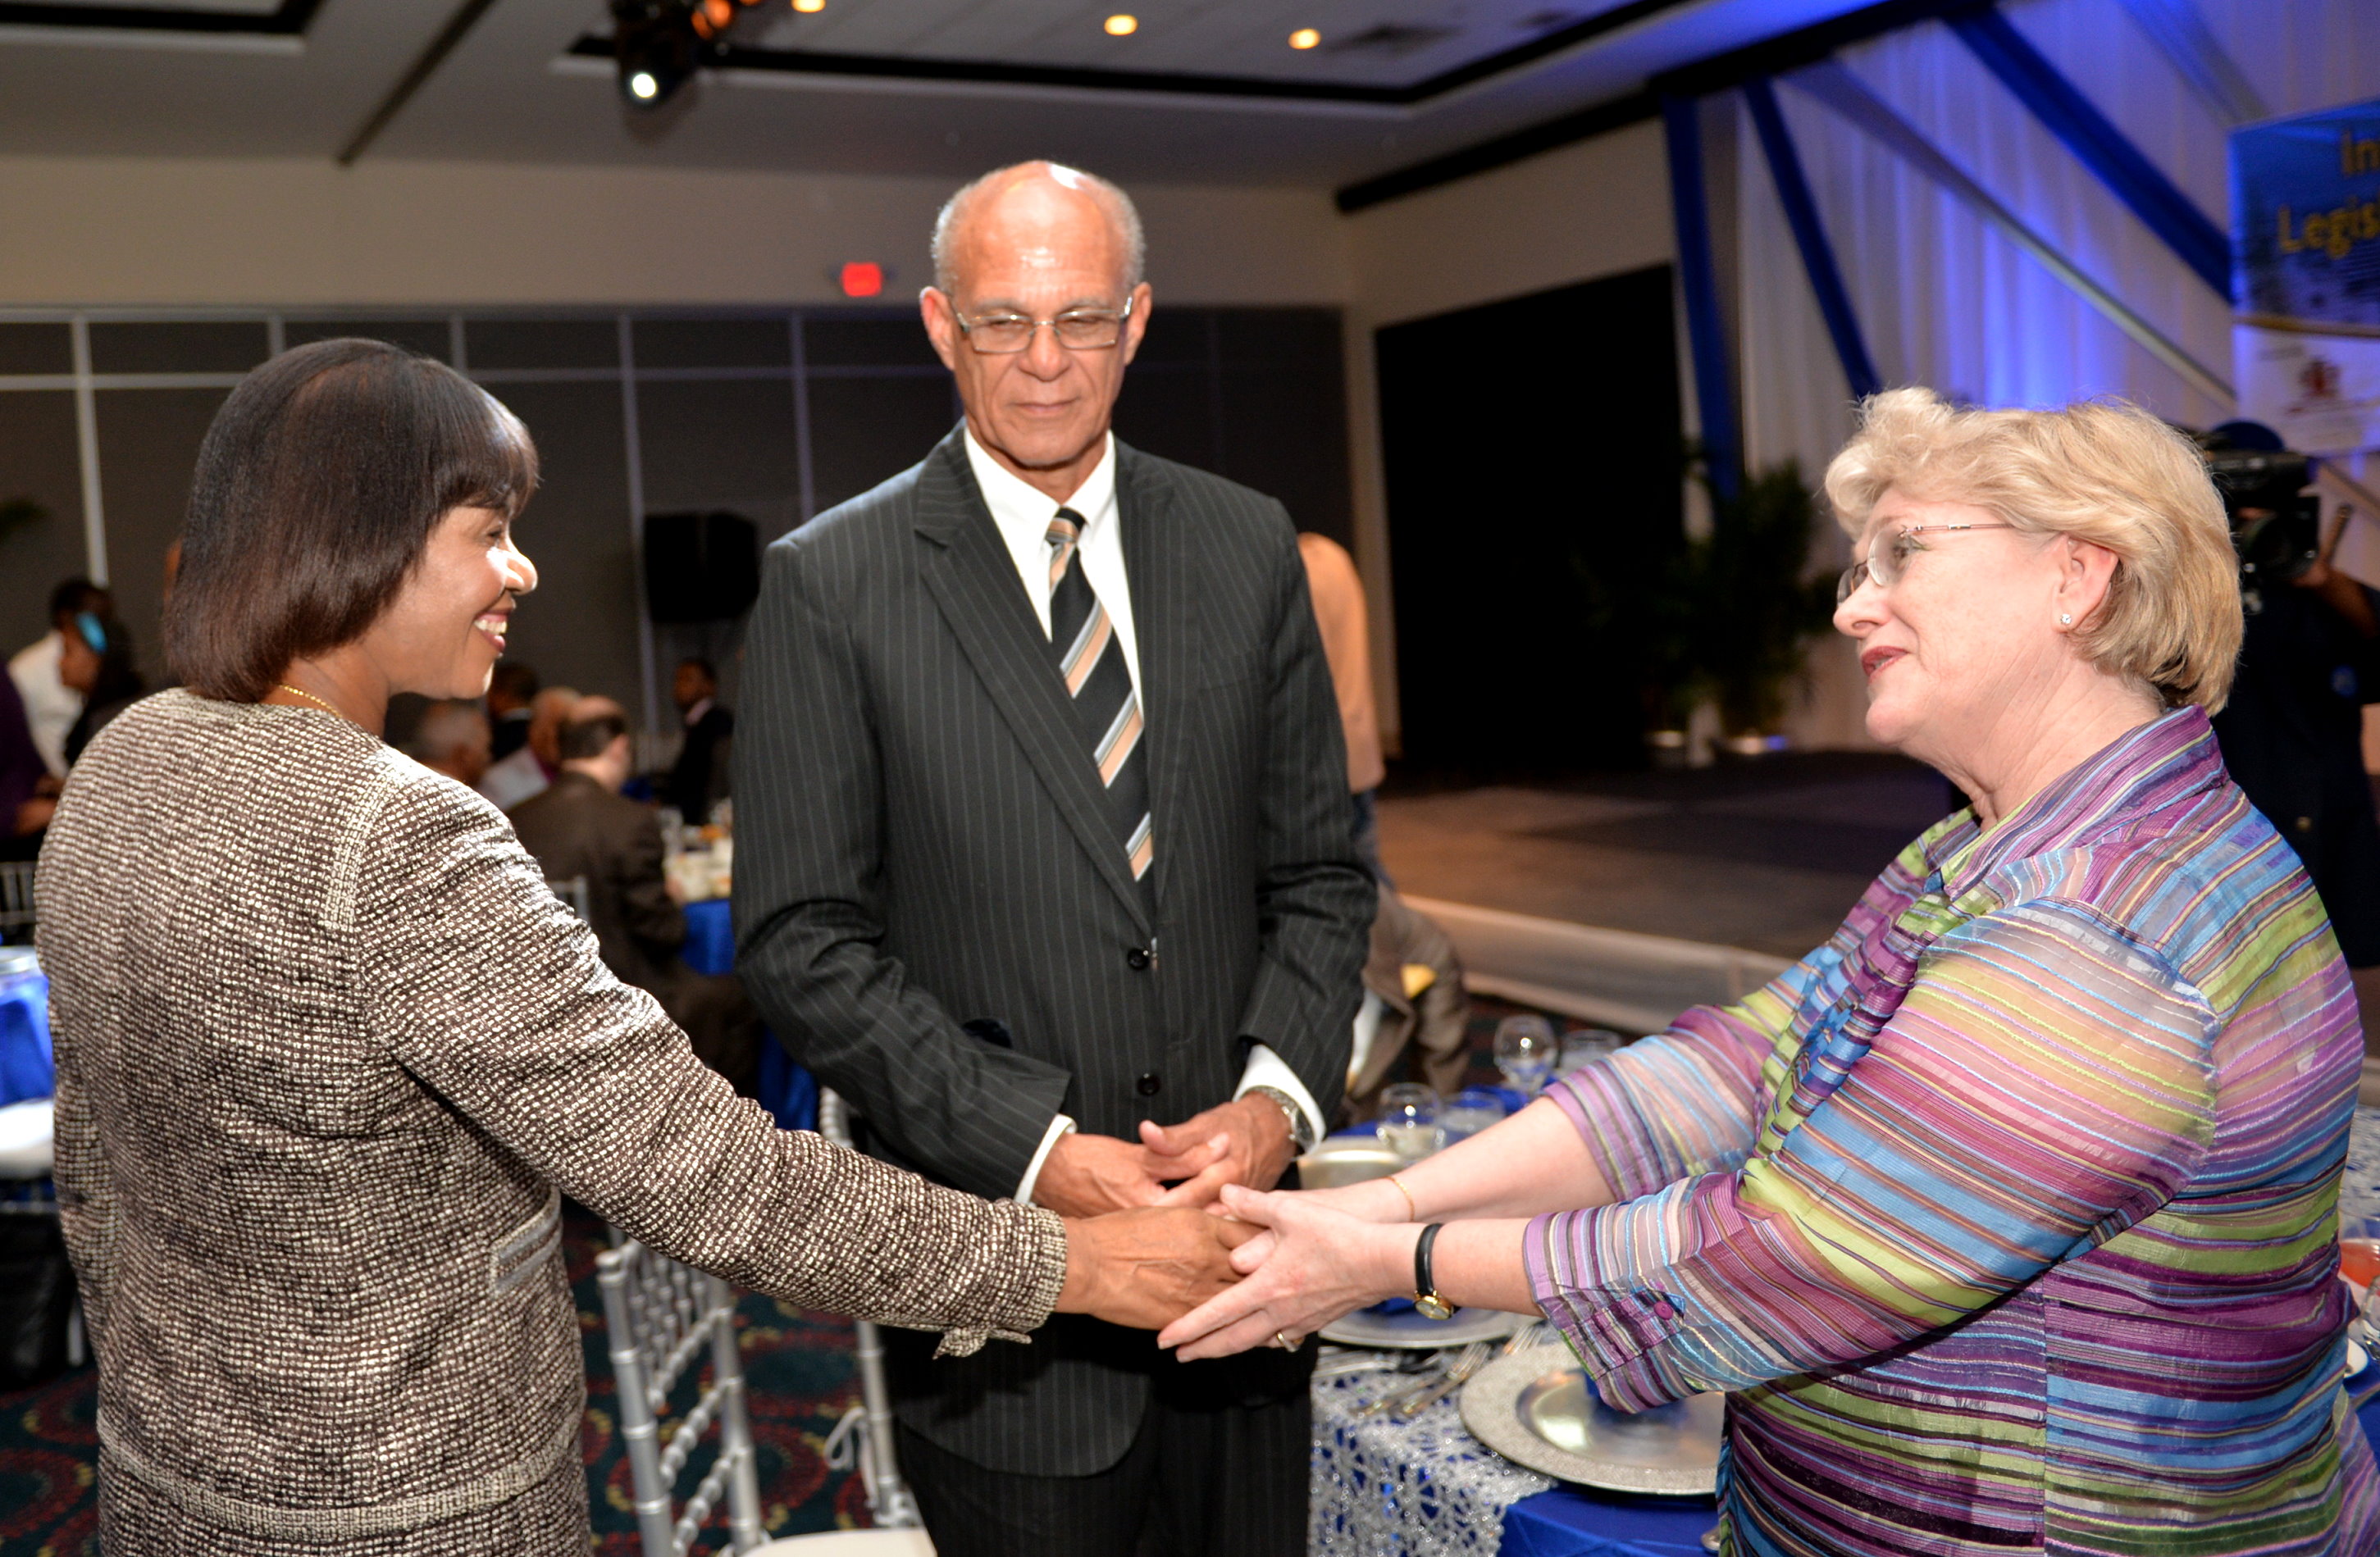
[489, 992]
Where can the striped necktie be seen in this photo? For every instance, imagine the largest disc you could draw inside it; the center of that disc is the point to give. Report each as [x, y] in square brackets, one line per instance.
[1091, 660]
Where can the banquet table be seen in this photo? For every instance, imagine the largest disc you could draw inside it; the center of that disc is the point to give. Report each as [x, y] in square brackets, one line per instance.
[786, 1089]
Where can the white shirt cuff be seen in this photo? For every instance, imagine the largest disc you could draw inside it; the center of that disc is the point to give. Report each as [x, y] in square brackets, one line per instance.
[1367, 1033]
[1266, 1068]
[1060, 1125]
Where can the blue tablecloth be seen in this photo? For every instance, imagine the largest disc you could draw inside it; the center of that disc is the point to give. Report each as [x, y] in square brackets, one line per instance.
[25, 1069]
[710, 936]
[786, 1089]
[1568, 1522]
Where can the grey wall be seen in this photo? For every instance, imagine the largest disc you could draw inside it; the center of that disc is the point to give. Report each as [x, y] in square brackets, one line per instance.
[776, 414]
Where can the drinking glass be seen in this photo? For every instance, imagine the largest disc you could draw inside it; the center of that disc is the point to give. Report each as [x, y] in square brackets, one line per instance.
[2358, 1249]
[1468, 1112]
[1526, 1050]
[1584, 1046]
[1409, 1121]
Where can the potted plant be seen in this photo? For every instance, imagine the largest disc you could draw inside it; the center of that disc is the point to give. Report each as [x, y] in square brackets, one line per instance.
[1761, 607]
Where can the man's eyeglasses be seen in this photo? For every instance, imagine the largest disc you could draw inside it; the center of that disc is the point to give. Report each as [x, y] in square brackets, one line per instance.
[1077, 330]
[1886, 567]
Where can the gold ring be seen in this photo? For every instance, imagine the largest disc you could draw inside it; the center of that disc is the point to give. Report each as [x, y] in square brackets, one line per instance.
[1284, 1342]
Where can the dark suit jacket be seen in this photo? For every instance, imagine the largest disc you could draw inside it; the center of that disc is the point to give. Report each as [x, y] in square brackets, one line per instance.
[576, 827]
[922, 844]
[699, 779]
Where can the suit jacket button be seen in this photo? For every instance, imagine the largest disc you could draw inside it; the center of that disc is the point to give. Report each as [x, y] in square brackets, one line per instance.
[1147, 1084]
[1137, 958]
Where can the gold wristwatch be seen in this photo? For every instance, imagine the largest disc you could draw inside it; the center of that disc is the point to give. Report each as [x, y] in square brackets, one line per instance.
[1426, 1302]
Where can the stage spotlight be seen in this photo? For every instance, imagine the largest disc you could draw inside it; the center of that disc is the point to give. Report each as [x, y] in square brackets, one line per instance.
[660, 43]
[809, 7]
[654, 44]
[1121, 26]
[1304, 38]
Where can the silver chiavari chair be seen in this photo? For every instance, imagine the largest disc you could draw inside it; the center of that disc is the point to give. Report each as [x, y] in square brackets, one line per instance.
[16, 911]
[660, 1316]
[864, 1434]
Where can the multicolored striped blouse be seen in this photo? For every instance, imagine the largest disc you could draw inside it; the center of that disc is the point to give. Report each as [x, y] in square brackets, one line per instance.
[2007, 1217]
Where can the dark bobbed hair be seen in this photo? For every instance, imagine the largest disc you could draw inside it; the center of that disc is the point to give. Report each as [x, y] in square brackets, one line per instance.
[585, 740]
[316, 492]
[77, 594]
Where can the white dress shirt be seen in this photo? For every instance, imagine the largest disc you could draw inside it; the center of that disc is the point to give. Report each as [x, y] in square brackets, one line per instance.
[51, 706]
[1023, 513]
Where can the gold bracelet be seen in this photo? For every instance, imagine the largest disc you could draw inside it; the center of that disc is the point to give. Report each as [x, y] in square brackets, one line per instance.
[1412, 1212]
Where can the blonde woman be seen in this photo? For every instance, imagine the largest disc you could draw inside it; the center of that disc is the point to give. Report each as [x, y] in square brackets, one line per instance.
[2006, 1218]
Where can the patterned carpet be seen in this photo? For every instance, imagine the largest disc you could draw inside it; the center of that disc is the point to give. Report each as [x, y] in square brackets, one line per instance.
[799, 1365]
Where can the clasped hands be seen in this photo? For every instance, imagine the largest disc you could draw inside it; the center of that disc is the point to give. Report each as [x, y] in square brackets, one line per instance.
[1218, 1264]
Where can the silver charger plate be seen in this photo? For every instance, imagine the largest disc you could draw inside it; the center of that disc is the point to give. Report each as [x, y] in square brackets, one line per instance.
[1536, 1410]
[1411, 1331]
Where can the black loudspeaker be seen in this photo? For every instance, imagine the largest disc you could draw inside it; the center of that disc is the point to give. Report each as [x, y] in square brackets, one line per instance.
[700, 567]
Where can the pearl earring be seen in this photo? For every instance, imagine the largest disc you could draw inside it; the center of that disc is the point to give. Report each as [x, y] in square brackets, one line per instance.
[2064, 620]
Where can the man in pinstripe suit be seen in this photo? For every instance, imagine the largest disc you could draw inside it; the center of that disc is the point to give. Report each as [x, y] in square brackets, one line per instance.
[1045, 866]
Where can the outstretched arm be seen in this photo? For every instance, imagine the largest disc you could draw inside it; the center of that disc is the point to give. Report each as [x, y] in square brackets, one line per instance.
[2042, 1085]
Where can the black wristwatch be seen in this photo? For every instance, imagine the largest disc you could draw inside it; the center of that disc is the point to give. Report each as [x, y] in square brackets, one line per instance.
[1427, 1302]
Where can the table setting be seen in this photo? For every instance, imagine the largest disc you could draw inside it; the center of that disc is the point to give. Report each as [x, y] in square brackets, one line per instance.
[1480, 1433]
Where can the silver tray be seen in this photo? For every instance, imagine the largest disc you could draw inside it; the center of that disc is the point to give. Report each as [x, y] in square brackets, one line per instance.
[1413, 1331]
[1536, 1410]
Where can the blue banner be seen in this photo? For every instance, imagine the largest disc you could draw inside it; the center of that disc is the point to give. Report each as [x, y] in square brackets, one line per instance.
[2305, 235]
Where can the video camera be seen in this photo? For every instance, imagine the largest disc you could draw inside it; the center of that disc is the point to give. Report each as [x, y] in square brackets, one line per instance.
[2267, 495]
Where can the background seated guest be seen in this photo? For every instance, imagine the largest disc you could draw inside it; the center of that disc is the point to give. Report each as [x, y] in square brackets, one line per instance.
[699, 780]
[582, 825]
[51, 705]
[28, 793]
[512, 779]
[1414, 1001]
[509, 696]
[452, 738]
[2009, 1217]
[97, 663]
[329, 1052]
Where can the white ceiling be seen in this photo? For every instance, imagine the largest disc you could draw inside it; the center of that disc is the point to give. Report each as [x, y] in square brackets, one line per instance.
[511, 92]
[1376, 43]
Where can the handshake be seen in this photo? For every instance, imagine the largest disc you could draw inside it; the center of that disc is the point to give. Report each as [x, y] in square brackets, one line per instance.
[1143, 1246]
[1210, 1260]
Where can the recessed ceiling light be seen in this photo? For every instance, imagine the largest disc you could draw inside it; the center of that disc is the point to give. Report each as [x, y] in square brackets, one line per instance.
[809, 7]
[1304, 38]
[1120, 25]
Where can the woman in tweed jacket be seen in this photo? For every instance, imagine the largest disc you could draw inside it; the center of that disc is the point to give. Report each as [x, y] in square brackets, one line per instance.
[330, 1052]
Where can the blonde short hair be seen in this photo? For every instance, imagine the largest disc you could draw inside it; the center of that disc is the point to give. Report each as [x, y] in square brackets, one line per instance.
[2102, 471]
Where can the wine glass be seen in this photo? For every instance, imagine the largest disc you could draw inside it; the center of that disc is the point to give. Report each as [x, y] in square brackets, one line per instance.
[1468, 1112]
[1409, 1121]
[1584, 1046]
[1526, 1050]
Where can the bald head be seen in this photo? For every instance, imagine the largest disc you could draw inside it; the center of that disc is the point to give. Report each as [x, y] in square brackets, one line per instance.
[1026, 206]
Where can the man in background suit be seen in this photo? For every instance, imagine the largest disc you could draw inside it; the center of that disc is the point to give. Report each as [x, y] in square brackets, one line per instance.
[581, 826]
[698, 777]
[1044, 863]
